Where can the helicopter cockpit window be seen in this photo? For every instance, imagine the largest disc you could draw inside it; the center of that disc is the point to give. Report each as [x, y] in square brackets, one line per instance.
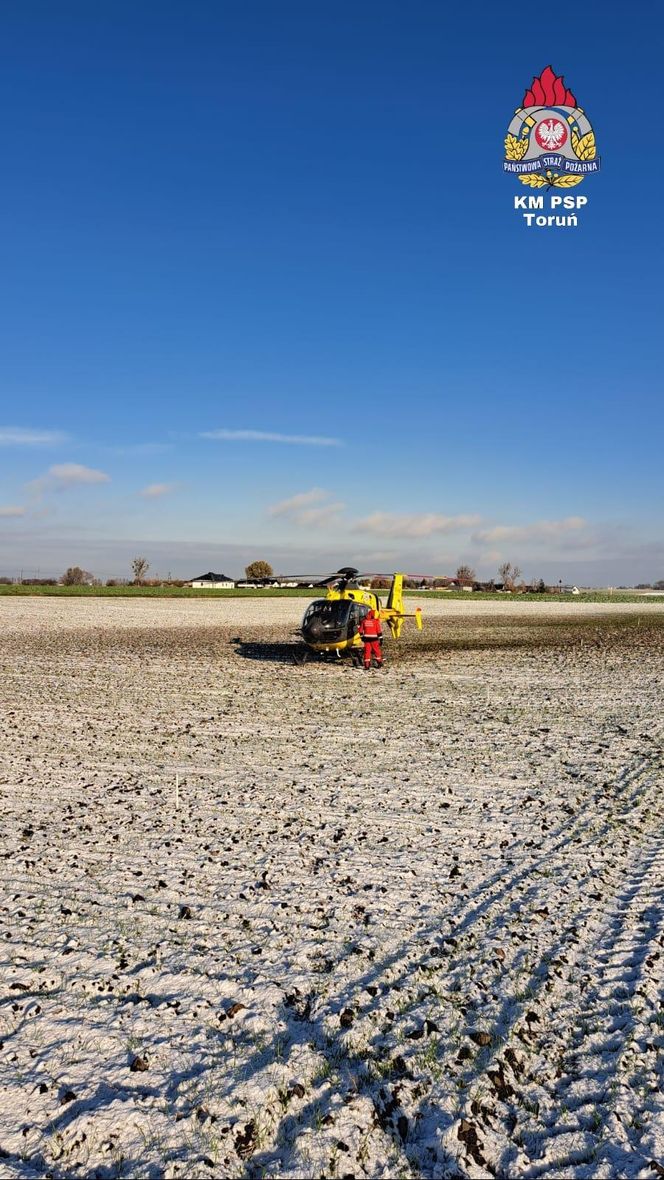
[313, 609]
[332, 612]
[328, 614]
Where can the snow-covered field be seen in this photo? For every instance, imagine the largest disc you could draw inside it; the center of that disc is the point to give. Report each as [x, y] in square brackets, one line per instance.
[401, 924]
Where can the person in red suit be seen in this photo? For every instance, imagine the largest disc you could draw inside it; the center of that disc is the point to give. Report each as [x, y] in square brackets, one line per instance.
[371, 635]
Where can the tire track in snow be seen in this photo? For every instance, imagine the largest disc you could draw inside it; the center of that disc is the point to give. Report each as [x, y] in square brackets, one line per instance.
[579, 1064]
[612, 1054]
[633, 791]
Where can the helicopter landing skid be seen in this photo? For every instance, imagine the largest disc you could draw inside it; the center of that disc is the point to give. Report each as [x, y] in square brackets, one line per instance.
[304, 655]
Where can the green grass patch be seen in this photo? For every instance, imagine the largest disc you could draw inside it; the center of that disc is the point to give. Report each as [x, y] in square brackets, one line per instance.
[568, 599]
[305, 592]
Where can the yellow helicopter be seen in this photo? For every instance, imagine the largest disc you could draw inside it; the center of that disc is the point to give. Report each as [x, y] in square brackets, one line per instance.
[330, 625]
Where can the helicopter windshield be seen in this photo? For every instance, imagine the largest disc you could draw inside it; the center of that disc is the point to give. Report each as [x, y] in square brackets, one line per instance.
[330, 614]
[332, 621]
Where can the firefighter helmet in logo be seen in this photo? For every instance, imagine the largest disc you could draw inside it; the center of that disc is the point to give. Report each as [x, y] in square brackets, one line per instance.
[550, 142]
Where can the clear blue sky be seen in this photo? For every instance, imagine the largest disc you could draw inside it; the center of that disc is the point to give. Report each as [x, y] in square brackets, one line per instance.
[291, 219]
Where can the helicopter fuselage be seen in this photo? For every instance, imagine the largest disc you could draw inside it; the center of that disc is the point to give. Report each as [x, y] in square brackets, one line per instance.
[331, 623]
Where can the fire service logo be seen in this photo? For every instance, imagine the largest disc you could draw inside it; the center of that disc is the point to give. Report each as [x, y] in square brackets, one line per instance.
[550, 144]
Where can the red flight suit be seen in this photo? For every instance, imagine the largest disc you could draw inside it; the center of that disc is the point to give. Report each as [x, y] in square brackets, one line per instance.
[371, 635]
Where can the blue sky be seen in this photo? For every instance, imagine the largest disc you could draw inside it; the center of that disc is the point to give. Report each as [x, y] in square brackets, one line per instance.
[290, 220]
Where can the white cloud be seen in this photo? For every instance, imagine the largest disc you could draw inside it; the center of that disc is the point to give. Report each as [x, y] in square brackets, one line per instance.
[319, 516]
[425, 524]
[316, 508]
[18, 436]
[541, 530]
[11, 510]
[67, 475]
[302, 510]
[295, 503]
[154, 490]
[302, 440]
[308, 509]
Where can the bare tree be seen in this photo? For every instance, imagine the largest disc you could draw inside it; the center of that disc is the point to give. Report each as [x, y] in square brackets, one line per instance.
[509, 574]
[465, 574]
[140, 567]
[256, 571]
[75, 576]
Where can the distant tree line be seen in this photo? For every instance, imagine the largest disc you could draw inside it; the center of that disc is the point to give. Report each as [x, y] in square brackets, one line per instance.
[509, 579]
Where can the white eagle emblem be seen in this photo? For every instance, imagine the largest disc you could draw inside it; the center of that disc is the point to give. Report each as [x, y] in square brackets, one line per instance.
[551, 133]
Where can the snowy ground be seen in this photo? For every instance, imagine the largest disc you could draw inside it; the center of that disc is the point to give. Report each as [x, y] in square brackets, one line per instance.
[401, 924]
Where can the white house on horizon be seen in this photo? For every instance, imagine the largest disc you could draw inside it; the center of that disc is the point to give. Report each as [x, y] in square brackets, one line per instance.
[211, 581]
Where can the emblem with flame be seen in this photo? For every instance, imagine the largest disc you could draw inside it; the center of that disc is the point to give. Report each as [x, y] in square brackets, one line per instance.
[550, 142]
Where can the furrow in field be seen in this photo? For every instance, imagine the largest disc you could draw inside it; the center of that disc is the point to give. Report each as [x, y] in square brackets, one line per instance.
[572, 1088]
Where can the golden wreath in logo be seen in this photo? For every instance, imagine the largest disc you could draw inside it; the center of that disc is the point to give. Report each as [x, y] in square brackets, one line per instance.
[550, 142]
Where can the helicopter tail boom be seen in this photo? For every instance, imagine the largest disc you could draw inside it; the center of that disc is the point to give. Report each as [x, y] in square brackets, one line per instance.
[395, 598]
[393, 612]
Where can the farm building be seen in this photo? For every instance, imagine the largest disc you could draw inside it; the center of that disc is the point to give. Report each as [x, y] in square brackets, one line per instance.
[212, 581]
